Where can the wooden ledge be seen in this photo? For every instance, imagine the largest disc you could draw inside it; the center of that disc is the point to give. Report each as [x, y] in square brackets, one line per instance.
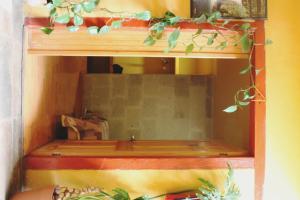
[97, 163]
[126, 41]
[137, 155]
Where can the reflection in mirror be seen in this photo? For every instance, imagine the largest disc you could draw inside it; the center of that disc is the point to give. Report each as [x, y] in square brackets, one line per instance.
[166, 98]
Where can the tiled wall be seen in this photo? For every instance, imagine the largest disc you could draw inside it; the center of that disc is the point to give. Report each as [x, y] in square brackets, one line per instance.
[11, 17]
[151, 107]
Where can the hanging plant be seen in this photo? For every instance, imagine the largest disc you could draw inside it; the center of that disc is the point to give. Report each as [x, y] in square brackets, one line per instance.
[72, 11]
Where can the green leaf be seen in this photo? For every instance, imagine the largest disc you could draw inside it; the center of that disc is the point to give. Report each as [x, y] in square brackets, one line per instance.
[169, 15]
[53, 12]
[189, 48]
[57, 3]
[50, 6]
[200, 19]
[146, 15]
[222, 45]
[47, 30]
[149, 41]
[63, 19]
[211, 39]
[206, 183]
[116, 24]
[96, 1]
[173, 38]
[159, 27]
[199, 31]
[225, 22]
[78, 20]
[268, 42]
[214, 17]
[174, 20]
[231, 109]
[143, 198]
[104, 29]
[244, 103]
[77, 8]
[246, 42]
[246, 95]
[93, 30]
[73, 28]
[245, 70]
[121, 194]
[245, 26]
[89, 6]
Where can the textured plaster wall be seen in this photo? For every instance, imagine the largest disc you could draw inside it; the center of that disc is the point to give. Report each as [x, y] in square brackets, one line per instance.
[283, 101]
[152, 107]
[10, 95]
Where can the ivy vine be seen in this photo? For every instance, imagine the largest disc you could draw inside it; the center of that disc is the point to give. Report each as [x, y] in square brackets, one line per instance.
[72, 11]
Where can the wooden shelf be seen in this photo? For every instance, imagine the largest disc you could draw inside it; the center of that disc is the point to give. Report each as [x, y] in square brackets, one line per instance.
[138, 149]
[136, 155]
[127, 41]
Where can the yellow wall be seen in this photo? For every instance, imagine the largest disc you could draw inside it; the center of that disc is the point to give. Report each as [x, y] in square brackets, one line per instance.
[157, 7]
[50, 89]
[283, 101]
[131, 65]
[139, 182]
[195, 66]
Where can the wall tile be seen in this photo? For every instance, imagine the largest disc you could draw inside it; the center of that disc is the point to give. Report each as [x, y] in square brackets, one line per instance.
[150, 106]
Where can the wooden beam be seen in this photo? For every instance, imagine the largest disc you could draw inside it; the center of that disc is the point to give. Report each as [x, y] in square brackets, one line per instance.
[258, 130]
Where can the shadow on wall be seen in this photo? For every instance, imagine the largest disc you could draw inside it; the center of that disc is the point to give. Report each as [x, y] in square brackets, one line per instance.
[50, 89]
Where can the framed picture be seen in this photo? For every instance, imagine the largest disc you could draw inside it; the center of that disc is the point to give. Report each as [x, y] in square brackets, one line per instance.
[240, 9]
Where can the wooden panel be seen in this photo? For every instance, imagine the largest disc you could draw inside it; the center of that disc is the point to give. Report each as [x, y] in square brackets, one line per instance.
[50, 88]
[123, 42]
[258, 126]
[138, 149]
[233, 129]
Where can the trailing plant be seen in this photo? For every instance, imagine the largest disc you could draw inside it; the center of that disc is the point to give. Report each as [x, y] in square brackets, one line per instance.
[208, 191]
[71, 12]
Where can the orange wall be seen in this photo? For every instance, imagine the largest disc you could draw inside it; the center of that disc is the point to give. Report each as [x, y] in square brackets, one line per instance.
[283, 101]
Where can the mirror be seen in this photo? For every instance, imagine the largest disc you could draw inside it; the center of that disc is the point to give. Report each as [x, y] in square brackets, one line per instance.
[167, 98]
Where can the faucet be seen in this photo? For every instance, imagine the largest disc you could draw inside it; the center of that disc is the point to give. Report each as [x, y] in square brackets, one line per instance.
[132, 138]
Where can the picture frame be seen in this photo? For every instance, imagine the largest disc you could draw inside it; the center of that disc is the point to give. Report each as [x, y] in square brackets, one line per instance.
[235, 9]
